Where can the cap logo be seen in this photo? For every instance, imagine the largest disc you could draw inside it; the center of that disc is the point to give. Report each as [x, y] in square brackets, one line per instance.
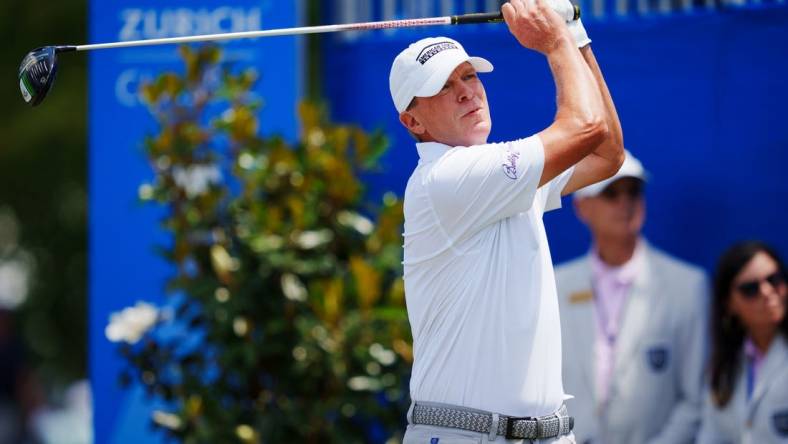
[433, 49]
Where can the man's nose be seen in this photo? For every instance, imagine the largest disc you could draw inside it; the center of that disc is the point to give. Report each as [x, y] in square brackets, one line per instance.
[464, 92]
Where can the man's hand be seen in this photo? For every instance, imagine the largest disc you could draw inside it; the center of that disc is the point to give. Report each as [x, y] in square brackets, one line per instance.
[535, 25]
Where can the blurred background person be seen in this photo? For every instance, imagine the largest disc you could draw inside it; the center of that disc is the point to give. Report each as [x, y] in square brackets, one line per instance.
[20, 395]
[36, 404]
[632, 324]
[747, 400]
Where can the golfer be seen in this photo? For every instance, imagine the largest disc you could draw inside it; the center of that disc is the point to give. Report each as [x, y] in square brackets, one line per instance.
[479, 282]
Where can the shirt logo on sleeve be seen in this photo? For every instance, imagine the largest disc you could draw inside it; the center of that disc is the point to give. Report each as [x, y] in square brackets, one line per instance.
[510, 166]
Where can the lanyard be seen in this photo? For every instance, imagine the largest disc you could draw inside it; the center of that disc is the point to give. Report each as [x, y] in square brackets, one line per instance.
[603, 318]
[750, 377]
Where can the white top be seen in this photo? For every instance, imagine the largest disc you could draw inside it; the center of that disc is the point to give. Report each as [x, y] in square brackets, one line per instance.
[479, 281]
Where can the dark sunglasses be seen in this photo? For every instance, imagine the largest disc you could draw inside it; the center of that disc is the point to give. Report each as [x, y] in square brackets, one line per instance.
[633, 190]
[751, 289]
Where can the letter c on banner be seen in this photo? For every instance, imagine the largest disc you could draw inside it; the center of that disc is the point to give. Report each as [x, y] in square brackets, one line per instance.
[218, 16]
[127, 87]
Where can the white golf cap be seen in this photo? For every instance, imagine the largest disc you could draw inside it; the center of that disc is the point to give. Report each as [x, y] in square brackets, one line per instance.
[631, 168]
[422, 68]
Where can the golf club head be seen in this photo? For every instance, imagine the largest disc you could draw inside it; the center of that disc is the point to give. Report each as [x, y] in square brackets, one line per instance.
[37, 74]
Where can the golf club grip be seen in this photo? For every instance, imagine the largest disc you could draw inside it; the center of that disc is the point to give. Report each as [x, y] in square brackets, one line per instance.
[482, 17]
[494, 17]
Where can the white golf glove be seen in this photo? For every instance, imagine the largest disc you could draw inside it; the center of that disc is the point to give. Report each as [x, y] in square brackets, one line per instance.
[579, 33]
[566, 10]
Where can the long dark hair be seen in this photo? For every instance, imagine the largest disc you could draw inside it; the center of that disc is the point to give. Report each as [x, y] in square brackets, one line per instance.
[727, 332]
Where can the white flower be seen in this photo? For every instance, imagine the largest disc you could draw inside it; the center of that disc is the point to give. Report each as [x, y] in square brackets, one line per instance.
[14, 283]
[168, 420]
[145, 191]
[130, 324]
[293, 288]
[222, 261]
[356, 221]
[308, 240]
[361, 383]
[246, 161]
[316, 137]
[382, 354]
[196, 179]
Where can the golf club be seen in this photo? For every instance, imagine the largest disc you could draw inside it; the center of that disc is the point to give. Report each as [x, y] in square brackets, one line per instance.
[39, 67]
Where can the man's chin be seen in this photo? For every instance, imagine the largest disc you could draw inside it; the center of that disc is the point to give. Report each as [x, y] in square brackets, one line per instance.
[479, 139]
[481, 132]
[621, 232]
[476, 134]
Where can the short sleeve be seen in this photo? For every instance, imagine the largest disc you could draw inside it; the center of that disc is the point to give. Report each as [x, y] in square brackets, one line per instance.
[473, 187]
[551, 191]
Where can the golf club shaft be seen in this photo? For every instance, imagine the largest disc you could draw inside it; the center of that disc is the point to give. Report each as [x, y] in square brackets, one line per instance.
[489, 17]
[267, 33]
[492, 17]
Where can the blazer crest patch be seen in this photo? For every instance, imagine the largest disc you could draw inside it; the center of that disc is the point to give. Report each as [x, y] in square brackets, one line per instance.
[658, 358]
[780, 423]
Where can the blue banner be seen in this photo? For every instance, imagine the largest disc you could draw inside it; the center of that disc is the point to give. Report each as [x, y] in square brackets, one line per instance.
[123, 233]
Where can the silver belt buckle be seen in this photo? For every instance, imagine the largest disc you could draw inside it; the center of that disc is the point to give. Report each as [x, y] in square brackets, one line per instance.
[510, 426]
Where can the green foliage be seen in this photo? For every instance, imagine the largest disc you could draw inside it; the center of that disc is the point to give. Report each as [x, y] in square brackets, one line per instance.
[293, 296]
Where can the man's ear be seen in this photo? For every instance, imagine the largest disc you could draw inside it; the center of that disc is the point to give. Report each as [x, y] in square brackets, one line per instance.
[411, 123]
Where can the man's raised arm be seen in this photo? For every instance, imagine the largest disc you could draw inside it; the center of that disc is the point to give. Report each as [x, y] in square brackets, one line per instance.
[607, 158]
[579, 125]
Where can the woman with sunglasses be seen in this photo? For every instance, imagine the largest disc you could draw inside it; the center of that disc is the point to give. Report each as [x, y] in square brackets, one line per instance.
[747, 399]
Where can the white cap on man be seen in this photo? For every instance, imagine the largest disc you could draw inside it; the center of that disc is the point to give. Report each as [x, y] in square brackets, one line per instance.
[630, 168]
[422, 69]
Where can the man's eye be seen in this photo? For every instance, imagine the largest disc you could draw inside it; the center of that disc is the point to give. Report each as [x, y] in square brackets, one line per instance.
[470, 76]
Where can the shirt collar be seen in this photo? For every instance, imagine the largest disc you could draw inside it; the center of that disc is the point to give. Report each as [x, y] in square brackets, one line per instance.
[623, 274]
[751, 351]
[429, 151]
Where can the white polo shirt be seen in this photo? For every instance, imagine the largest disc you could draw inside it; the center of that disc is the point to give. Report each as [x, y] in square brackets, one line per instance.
[479, 281]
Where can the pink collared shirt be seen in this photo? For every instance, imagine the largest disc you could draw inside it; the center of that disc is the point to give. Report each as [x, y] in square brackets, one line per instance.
[612, 285]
